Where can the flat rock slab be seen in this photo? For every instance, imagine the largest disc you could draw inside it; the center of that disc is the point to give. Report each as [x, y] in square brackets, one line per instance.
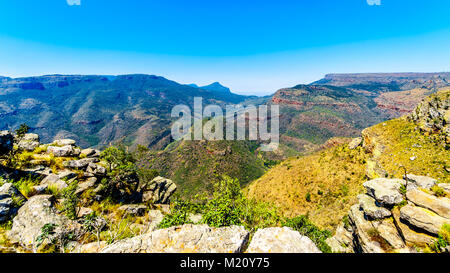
[416, 181]
[185, 239]
[423, 218]
[441, 206]
[281, 240]
[371, 209]
[362, 229]
[412, 237]
[385, 191]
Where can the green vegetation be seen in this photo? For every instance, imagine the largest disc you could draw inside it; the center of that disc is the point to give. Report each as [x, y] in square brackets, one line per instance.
[303, 225]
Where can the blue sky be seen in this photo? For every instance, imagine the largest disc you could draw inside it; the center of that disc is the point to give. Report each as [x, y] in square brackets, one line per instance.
[254, 47]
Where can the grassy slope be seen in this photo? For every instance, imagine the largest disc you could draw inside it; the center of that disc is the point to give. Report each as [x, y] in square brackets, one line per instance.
[338, 173]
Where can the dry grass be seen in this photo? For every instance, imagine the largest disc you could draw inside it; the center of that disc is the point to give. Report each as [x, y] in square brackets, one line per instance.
[323, 185]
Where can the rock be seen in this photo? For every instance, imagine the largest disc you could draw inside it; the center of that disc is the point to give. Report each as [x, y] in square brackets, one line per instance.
[159, 190]
[184, 239]
[84, 212]
[445, 187]
[88, 184]
[281, 240]
[40, 189]
[441, 206]
[385, 191]
[10, 200]
[96, 169]
[415, 181]
[342, 241]
[356, 142]
[370, 208]
[195, 218]
[29, 142]
[94, 247]
[64, 151]
[64, 142]
[37, 212]
[90, 153]
[155, 217]
[388, 231]
[423, 219]
[363, 229]
[6, 142]
[134, 210]
[55, 181]
[412, 237]
[67, 175]
[79, 164]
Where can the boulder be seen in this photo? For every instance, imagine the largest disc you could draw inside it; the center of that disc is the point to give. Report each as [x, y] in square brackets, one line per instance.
[55, 181]
[90, 153]
[64, 142]
[79, 164]
[441, 206]
[90, 183]
[155, 217]
[66, 174]
[6, 142]
[159, 190]
[94, 247]
[411, 236]
[134, 210]
[356, 142]
[35, 214]
[64, 151]
[385, 191]
[29, 142]
[416, 181]
[281, 240]
[10, 201]
[342, 241]
[185, 239]
[363, 229]
[423, 219]
[388, 231]
[96, 170]
[371, 209]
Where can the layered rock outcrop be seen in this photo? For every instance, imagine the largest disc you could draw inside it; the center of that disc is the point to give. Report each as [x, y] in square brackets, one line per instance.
[393, 216]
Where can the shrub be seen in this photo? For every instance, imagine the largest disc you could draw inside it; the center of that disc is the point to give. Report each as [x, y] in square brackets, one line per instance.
[303, 225]
[71, 201]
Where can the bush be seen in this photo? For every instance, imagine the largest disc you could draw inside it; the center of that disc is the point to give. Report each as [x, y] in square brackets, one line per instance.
[71, 201]
[303, 225]
[179, 215]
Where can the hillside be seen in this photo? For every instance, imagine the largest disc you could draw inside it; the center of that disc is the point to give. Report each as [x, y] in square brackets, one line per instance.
[98, 110]
[196, 165]
[325, 184]
[341, 105]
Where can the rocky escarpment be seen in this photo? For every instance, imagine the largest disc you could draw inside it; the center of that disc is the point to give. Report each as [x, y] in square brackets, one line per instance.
[395, 216]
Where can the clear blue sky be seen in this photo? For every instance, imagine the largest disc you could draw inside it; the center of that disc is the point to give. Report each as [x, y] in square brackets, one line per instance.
[253, 47]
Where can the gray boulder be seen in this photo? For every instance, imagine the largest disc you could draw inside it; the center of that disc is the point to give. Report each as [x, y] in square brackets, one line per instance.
[64, 151]
[35, 214]
[53, 180]
[159, 190]
[79, 164]
[64, 142]
[385, 191]
[90, 153]
[416, 181]
[184, 239]
[281, 240]
[96, 170]
[356, 142]
[371, 209]
[29, 142]
[10, 201]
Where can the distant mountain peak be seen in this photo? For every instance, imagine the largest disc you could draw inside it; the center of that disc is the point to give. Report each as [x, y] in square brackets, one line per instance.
[216, 87]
